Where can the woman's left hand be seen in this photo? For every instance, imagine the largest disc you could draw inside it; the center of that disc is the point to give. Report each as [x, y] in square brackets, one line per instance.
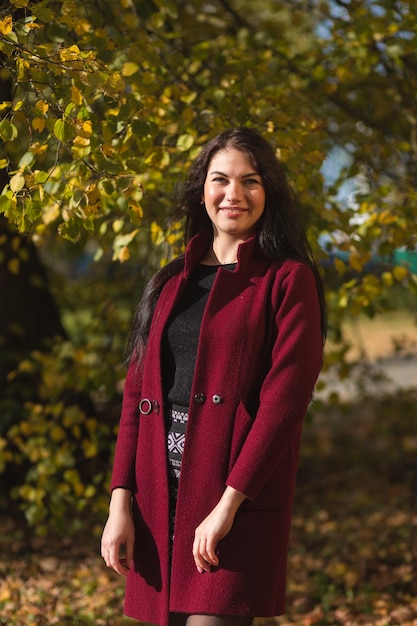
[214, 528]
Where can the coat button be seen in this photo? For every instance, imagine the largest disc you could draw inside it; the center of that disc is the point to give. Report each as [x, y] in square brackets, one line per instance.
[200, 398]
[217, 399]
[146, 406]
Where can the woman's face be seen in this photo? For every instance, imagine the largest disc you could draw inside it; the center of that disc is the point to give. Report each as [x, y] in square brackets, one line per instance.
[234, 194]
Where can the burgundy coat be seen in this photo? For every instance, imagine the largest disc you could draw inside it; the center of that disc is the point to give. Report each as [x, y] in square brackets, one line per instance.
[259, 355]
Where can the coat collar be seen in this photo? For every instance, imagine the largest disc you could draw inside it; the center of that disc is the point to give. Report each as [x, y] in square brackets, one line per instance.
[200, 243]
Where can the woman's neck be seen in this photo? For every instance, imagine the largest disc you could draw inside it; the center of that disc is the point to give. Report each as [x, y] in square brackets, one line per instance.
[221, 253]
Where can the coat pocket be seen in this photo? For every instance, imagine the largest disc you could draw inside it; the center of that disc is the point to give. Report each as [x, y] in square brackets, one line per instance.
[242, 424]
[278, 491]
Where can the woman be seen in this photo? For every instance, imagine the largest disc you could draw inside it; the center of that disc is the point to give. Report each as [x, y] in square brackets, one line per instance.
[223, 357]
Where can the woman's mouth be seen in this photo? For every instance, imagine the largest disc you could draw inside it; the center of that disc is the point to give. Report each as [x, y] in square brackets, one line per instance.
[232, 210]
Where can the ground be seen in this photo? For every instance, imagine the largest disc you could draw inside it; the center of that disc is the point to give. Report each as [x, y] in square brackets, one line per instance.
[353, 553]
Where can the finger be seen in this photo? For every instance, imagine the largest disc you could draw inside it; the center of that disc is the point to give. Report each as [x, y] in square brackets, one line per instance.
[210, 554]
[125, 566]
[129, 547]
[111, 558]
[201, 563]
[207, 548]
[120, 567]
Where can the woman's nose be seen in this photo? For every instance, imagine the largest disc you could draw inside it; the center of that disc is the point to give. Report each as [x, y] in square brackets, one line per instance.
[234, 192]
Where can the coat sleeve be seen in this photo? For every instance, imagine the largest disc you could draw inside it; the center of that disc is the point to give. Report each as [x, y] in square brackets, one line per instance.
[288, 386]
[125, 454]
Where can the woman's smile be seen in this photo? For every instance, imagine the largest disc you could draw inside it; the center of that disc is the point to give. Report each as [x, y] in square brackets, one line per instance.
[233, 210]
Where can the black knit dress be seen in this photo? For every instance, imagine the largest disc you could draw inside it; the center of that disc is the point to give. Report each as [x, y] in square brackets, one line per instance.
[179, 352]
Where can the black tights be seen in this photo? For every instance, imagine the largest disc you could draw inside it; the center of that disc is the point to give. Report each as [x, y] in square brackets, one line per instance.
[182, 619]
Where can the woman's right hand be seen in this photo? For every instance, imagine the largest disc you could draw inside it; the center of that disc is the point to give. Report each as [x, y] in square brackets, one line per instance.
[119, 532]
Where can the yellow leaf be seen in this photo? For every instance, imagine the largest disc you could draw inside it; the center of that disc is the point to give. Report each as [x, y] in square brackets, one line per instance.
[340, 266]
[90, 491]
[94, 199]
[70, 54]
[136, 208]
[357, 261]
[386, 217]
[124, 254]
[81, 26]
[76, 431]
[116, 82]
[343, 301]
[117, 225]
[38, 124]
[57, 433]
[22, 65]
[400, 273]
[15, 244]
[76, 97]
[42, 106]
[81, 141]
[86, 129]
[13, 266]
[90, 448]
[6, 25]
[387, 279]
[81, 147]
[314, 157]
[19, 104]
[41, 192]
[341, 72]
[38, 148]
[107, 149]
[129, 69]
[5, 105]
[50, 214]
[91, 424]
[17, 182]
[33, 25]
[157, 234]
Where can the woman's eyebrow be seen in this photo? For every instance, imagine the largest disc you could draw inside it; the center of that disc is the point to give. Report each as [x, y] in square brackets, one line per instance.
[227, 176]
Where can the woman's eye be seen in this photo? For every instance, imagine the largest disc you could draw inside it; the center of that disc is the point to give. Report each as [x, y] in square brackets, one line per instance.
[219, 179]
[250, 182]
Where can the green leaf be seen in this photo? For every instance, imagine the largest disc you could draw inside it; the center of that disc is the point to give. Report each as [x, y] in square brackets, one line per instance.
[41, 177]
[26, 160]
[185, 142]
[5, 203]
[8, 131]
[33, 208]
[63, 130]
[71, 229]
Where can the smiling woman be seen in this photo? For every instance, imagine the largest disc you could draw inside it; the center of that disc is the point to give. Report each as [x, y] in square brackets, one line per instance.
[234, 198]
[224, 353]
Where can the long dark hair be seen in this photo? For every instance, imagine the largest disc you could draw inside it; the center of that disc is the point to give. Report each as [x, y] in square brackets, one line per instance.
[281, 233]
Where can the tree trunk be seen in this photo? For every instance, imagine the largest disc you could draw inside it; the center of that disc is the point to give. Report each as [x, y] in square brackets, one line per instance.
[29, 316]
